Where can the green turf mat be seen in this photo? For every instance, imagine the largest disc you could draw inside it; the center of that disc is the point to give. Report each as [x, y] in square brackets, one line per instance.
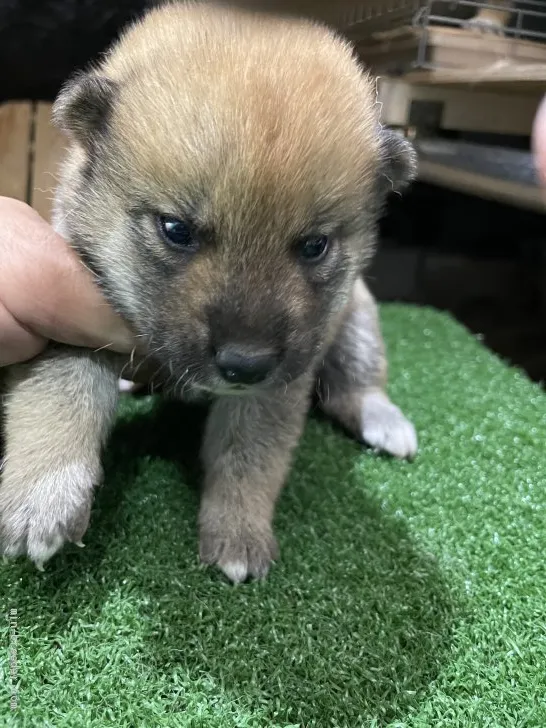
[408, 595]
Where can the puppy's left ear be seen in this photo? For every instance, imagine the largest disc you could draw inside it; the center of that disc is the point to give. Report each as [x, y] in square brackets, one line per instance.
[398, 162]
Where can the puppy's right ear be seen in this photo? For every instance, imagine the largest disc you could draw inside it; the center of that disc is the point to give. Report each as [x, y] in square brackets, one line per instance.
[398, 161]
[84, 105]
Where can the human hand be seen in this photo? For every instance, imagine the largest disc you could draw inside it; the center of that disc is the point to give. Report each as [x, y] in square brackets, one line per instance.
[539, 141]
[46, 292]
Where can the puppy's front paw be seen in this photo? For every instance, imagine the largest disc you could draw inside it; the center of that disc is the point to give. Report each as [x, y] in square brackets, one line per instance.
[38, 517]
[241, 552]
[383, 426]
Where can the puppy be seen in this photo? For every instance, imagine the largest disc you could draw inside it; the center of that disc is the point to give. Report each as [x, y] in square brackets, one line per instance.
[225, 175]
[492, 19]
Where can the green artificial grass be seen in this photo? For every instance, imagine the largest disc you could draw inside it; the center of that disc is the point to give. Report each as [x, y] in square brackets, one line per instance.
[407, 595]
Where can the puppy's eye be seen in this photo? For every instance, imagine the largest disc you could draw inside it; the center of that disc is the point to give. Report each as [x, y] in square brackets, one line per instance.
[314, 248]
[177, 232]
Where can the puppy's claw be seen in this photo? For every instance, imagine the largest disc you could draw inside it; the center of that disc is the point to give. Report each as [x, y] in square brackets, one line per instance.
[236, 571]
[248, 554]
[125, 385]
[36, 522]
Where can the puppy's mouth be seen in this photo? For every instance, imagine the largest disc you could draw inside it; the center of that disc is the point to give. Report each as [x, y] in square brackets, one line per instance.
[228, 390]
[195, 376]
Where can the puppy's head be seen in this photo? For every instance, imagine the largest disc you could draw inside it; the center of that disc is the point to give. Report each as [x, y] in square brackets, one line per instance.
[224, 181]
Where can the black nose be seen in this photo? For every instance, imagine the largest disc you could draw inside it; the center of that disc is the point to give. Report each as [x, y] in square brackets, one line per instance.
[238, 365]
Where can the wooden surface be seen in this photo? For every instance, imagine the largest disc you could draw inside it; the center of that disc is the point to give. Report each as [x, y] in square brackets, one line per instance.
[462, 58]
[457, 48]
[516, 80]
[15, 141]
[30, 151]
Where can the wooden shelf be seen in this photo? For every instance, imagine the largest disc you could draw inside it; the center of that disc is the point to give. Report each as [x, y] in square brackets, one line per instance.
[460, 57]
[30, 151]
[15, 140]
[505, 78]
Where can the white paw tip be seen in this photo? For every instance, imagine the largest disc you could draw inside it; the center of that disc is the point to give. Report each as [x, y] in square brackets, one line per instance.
[401, 443]
[385, 428]
[39, 565]
[236, 571]
[125, 385]
[80, 544]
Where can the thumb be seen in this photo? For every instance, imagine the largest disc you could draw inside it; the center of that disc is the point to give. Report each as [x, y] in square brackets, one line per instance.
[46, 288]
[539, 141]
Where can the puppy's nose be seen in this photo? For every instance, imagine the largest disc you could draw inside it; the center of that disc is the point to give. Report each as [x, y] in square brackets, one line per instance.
[240, 365]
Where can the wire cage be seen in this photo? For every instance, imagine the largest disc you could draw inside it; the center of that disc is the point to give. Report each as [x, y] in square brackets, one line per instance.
[463, 66]
[523, 18]
[404, 35]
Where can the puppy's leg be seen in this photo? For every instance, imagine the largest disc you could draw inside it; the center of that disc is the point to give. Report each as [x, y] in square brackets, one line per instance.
[58, 411]
[247, 452]
[352, 381]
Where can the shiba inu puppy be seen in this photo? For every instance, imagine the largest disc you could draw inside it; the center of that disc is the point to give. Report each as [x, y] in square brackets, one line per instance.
[492, 19]
[225, 175]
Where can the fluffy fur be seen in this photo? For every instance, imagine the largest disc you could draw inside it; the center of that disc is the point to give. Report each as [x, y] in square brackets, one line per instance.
[259, 133]
[493, 19]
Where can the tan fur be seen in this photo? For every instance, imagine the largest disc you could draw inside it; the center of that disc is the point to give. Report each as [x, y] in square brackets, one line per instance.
[492, 19]
[260, 132]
